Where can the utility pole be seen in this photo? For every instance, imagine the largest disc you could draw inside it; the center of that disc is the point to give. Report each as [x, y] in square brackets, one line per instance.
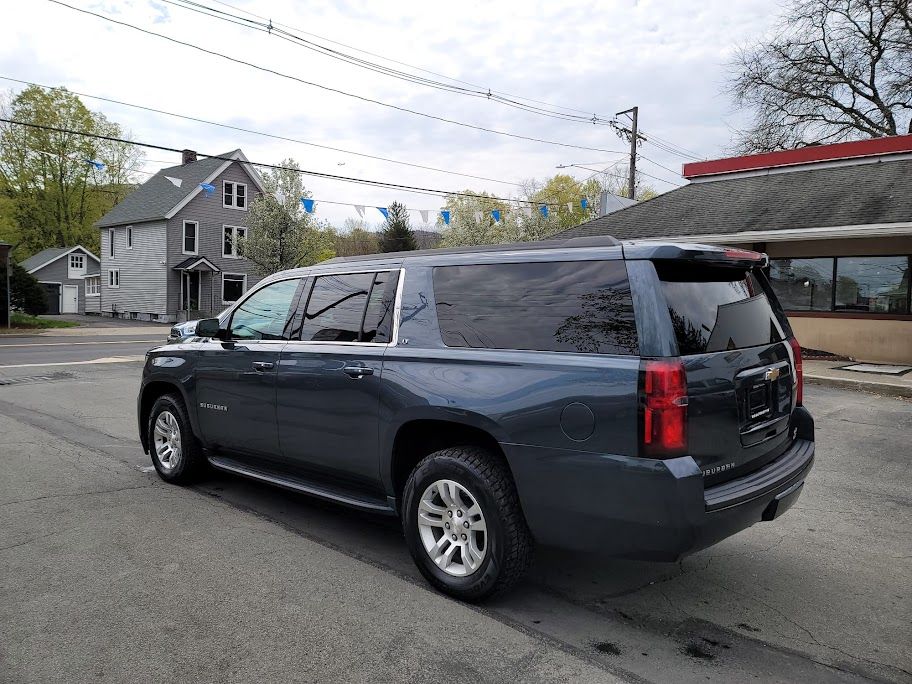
[631, 181]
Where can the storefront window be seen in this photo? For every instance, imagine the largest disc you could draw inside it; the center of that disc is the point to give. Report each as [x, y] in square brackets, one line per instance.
[803, 284]
[875, 284]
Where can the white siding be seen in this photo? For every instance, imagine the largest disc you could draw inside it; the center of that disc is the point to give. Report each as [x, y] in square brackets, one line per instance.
[143, 271]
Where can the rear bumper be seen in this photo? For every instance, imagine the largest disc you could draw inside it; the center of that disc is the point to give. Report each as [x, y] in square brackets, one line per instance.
[648, 509]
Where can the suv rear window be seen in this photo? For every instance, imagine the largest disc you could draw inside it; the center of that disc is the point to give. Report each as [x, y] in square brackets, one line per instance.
[717, 309]
[563, 306]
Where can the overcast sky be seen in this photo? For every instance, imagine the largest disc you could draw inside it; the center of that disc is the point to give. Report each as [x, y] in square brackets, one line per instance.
[668, 57]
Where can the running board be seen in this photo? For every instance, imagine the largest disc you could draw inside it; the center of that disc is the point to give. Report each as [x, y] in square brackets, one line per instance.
[301, 486]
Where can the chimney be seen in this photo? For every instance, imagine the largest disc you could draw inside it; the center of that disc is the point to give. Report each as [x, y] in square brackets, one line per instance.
[187, 157]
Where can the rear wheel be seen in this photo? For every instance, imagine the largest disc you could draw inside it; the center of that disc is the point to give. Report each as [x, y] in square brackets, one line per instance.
[464, 525]
[176, 453]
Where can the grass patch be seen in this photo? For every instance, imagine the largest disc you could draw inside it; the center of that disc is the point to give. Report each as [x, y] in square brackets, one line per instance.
[23, 321]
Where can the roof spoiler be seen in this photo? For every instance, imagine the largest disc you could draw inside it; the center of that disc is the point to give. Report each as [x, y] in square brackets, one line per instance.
[706, 254]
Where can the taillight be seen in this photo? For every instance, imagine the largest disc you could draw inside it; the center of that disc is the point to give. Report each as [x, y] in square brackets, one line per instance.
[664, 409]
[799, 371]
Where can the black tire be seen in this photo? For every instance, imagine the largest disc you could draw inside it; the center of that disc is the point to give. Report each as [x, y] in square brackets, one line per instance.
[509, 543]
[192, 462]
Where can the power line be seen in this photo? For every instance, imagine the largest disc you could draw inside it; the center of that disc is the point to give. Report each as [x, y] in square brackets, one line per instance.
[318, 174]
[328, 88]
[395, 61]
[254, 132]
[274, 30]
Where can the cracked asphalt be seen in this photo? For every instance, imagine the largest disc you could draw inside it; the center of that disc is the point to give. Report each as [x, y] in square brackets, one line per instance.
[108, 574]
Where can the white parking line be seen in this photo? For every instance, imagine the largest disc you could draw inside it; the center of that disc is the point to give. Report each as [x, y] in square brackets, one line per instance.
[70, 344]
[109, 359]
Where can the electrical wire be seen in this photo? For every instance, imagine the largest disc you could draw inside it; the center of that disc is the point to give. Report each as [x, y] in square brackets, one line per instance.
[319, 174]
[328, 88]
[261, 133]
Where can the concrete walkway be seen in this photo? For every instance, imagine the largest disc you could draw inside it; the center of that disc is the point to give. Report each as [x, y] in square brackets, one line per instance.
[90, 326]
[831, 373]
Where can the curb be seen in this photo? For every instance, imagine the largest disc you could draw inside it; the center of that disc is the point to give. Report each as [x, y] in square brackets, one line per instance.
[883, 388]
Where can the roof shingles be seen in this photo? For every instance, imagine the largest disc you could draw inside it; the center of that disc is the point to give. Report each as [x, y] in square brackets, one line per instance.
[860, 194]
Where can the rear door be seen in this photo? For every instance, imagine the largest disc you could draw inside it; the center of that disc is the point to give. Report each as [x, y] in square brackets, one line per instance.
[740, 372]
[329, 378]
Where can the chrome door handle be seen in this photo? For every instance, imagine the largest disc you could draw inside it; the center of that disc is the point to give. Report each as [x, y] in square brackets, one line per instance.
[263, 366]
[357, 371]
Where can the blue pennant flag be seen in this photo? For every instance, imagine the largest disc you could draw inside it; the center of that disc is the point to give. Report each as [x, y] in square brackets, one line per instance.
[97, 164]
[544, 210]
[495, 214]
[445, 215]
[584, 203]
[207, 189]
[308, 205]
[384, 211]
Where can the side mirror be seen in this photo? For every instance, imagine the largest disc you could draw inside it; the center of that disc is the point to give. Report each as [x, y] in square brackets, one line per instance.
[209, 327]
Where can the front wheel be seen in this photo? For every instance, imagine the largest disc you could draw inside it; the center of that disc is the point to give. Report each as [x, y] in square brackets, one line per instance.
[464, 525]
[176, 453]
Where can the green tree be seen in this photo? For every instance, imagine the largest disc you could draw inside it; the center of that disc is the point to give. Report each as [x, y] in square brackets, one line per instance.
[26, 293]
[56, 194]
[471, 222]
[397, 235]
[831, 70]
[354, 239]
[281, 235]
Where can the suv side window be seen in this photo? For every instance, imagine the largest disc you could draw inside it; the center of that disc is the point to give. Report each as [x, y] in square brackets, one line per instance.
[378, 319]
[565, 306]
[336, 308]
[263, 315]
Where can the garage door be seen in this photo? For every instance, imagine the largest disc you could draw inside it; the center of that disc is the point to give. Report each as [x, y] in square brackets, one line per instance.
[53, 298]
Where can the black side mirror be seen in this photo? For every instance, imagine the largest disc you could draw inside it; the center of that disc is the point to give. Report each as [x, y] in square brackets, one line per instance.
[209, 327]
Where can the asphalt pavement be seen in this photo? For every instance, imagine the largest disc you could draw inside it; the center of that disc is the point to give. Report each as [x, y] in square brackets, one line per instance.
[109, 574]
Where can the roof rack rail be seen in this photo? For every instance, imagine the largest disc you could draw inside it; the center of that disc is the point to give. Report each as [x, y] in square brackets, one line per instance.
[592, 241]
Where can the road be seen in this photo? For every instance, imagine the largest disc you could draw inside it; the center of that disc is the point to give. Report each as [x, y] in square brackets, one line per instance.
[107, 573]
[28, 351]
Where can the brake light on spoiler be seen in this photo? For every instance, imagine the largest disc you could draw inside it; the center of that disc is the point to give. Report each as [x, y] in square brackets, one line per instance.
[663, 408]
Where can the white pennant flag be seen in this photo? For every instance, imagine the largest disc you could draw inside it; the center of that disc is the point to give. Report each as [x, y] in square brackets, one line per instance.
[425, 214]
[280, 196]
[527, 210]
[570, 207]
[478, 216]
[360, 209]
[176, 182]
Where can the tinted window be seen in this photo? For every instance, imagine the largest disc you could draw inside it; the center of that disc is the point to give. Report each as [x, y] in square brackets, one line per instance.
[336, 307]
[717, 309]
[878, 284]
[262, 316]
[379, 317]
[571, 306]
[803, 284]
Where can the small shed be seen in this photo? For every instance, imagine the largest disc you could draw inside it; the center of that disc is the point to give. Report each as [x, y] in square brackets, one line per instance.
[71, 276]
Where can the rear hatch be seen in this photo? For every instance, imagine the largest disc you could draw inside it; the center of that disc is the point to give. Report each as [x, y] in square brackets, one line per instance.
[738, 359]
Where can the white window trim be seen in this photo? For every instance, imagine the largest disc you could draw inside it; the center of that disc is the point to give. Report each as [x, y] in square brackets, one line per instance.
[76, 273]
[111, 252]
[129, 237]
[234, 238]
[196, 231]
[111, 279]
[96, 286]
[243, 292]
[233, 203]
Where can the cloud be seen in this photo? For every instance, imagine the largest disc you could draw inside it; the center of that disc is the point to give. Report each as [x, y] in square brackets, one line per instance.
[599, 57]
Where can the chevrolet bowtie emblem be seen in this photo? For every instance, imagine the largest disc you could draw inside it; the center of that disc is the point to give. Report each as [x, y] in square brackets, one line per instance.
[771, 374]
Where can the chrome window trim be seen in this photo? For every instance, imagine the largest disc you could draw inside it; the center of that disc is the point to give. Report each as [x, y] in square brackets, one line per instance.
[397, 308]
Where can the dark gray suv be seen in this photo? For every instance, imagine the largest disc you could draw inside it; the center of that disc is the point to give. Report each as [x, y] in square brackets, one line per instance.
[639, 399]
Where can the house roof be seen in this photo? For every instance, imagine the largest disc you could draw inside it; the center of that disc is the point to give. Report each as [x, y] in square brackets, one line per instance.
[857, 195]
[50, 255]
[159, 198]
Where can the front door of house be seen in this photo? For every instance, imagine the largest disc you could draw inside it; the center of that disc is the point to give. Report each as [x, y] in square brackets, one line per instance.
[190, 291]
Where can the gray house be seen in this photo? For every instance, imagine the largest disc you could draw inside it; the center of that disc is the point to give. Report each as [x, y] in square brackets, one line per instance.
[169, 249]
[70, 276]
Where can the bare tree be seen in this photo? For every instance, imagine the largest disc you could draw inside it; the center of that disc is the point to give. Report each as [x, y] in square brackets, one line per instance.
[835, 70]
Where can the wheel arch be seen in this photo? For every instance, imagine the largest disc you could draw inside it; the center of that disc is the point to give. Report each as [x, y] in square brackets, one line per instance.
[152, 390]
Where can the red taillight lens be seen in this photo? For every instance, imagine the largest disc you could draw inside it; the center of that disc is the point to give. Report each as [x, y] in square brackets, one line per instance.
[664, 414]
[799, 371]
